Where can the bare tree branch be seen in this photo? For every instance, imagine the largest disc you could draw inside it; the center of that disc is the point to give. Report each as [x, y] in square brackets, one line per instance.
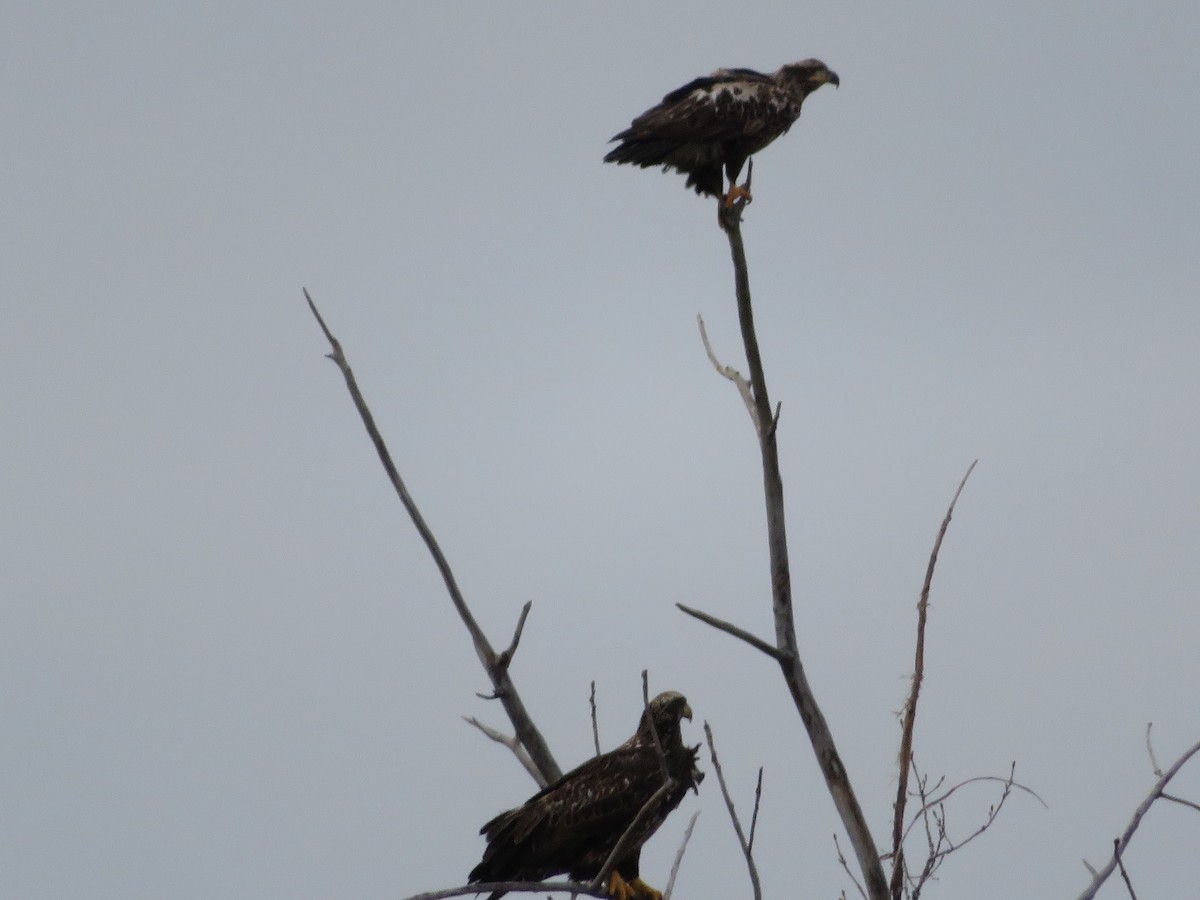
[512, 744]
[687, 836]
[720, 624]
[737, 825]
[846, 868]
[1121, 866]
[1188, 803]
[495, 666]
[514, 887]
[910, 707]
[1150, 749]
[754, 815]
[932, 814]
[1143, 808]
[1158, 772]
[928, 803]
[595, 727]
[658, 747]
[506, 657]
[729, 372]
[819, 734]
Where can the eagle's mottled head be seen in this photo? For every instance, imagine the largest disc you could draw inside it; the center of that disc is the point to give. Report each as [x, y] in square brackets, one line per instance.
[807, 75]
[667, 709]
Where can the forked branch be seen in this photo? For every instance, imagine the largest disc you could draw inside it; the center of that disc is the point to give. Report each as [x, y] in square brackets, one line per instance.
[786, 651]
[747, 845]
[1144, 807]
[496, 665]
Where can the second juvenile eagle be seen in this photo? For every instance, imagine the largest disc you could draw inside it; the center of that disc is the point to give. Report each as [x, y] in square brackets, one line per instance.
[572, 825]
[718, 121]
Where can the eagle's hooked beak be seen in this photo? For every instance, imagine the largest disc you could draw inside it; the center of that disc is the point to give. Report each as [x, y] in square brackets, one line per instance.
[832, 78]
[687, 712]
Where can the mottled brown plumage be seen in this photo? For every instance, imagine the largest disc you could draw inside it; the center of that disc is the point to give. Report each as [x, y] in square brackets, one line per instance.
[571, 826]
[718, 121]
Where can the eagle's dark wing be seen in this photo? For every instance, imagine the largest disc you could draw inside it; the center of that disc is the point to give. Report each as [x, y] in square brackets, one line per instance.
[721, 76]
[710, 123]
[563, 827]
[715, 107]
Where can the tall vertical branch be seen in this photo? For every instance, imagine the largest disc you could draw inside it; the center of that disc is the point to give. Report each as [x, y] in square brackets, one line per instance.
[818, 730]
[910, 707]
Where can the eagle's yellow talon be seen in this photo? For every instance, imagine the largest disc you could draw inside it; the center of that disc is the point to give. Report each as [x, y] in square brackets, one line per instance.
[737, 192]
[618, 887]
[645, 890]
[621, 889]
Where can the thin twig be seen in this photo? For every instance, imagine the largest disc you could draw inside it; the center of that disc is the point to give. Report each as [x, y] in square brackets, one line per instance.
[595, 727]
[1188, 803]
[1158, 772]
[929, 803]
[721, 625]
[775, 419]
[1121, 866]
[737, 825]
[1143, 808]
[506, 657]
[687, 836]
[512, 744]
[846, 868]
[937, 837]
[910, 707]
[1150, 750]
[658, 747]
[754, 815]
[527, 732]
[729, 372]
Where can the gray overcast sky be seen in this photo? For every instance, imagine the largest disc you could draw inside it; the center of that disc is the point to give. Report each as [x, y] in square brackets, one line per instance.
[227, 666]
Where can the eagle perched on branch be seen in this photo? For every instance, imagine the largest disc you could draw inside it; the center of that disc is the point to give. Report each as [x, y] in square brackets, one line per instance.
[719, 121]
[573, 825]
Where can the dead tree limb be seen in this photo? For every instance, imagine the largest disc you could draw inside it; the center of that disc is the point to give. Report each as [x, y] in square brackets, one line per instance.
[754, 815]
[595, 727]
[494, 664]
[910, 707]
[787, 652]
[741, 634]
[933, 815]
[687, 836]
[1122, 843]
[746, 845]
[1121, 866]
[511, 742]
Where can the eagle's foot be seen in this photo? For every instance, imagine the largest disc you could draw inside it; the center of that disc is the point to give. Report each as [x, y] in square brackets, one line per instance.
[737, 192]
[621, 889]
[645, 890]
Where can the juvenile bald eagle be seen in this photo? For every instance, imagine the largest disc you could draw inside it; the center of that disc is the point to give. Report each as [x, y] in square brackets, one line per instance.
[573, 825]
[719, 121]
